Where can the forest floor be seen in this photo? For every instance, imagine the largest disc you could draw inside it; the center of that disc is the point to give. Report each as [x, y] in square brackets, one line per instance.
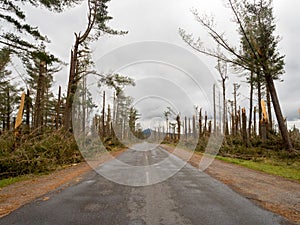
[277, 194]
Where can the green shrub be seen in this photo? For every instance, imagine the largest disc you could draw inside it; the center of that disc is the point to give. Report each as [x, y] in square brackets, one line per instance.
[37, 154]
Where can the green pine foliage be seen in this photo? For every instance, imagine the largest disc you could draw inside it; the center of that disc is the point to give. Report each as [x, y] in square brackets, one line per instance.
[13, 17]
[36, 154]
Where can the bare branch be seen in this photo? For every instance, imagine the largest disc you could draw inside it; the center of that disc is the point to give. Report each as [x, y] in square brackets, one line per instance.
[242, 28]
[188, 38]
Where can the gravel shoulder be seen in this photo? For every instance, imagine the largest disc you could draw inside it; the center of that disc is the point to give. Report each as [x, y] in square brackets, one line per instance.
[279, 195]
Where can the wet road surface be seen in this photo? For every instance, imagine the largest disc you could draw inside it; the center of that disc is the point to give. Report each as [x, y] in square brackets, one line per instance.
[188, 197]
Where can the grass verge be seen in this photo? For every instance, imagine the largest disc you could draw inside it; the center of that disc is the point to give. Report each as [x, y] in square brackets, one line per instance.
[12, 180]
[269, 166]
[274, 166]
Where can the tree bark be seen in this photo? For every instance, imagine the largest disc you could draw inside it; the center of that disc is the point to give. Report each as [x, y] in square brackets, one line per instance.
[27, 102]
[185, 127]
[194, 127]
[254, 121]
[232, 118]
[226, 120]
[84, 105]
[282, 126]
[178, 127]
[224, 107]
[103, 116]
[236, 123]
[244, 127]
[200, 123]
[270, 124]
[72, 87]
[205, 123]
[251, 104]
[259, 105]
[93, 8]
[58, 108]
[209, 128]
[108, 121]
[215, 111]
[38, 114]
[8, 108]
[189, 127]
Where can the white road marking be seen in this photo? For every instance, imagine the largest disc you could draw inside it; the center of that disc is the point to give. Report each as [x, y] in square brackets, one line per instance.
[147, 178]
[147, 173]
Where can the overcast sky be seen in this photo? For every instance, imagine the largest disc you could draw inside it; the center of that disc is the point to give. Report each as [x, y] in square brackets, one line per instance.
[159, 20]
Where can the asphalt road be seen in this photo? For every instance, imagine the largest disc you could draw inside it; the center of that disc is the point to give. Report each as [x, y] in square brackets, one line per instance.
[188, 197]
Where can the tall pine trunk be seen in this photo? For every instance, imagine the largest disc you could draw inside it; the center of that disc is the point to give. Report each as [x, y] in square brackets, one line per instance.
[103, 115]
[259, 97]
[251, 104]
[72, 86]
[38, 106]
[282, 126]
[215, 110]
[225, 130]
[8, 108]
[200, 123]
[58, 108]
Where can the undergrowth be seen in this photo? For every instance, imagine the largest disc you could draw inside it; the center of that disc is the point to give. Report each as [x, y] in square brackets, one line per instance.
[36, 153]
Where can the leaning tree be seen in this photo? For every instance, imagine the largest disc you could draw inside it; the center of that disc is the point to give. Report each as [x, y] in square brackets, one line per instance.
[261, 43]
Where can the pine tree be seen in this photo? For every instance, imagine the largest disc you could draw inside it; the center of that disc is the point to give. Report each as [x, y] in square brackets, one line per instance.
[9, 91]
[96, 27]
[259, 49]
[40, 68]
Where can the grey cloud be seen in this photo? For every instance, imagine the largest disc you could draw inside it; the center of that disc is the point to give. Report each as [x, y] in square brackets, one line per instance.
[160, 20]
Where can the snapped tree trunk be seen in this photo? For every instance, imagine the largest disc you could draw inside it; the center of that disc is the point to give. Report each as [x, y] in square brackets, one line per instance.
[27, 102]
[178, 127]
[58, 108]
[244, 127]
[200, 123]
[194, 127]
[205, 123]
[72, 87]
[270, 124]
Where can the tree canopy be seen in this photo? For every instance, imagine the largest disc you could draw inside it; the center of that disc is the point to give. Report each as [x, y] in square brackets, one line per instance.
[16, 31]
